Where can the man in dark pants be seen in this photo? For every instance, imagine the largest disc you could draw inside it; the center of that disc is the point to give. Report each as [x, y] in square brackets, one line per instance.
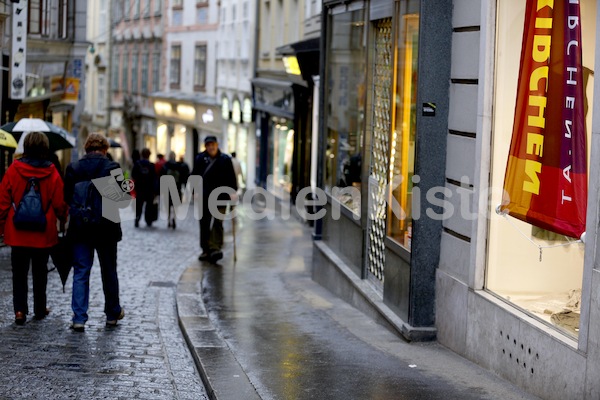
[145, 179]
[101, 235]
[216, 170]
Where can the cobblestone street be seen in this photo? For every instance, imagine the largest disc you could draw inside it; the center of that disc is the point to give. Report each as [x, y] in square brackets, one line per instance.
[144, 357]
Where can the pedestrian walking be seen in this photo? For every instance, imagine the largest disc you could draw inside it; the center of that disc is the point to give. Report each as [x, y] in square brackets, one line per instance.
[31, 200]
[89, 232]
[145, 179]
[217, 171]
[184, 170]
[172, 168]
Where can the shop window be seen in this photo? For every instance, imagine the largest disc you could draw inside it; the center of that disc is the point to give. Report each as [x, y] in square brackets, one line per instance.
[404, 121]
[175, 75]
[283, 151]
[546, 284]
[345, 105]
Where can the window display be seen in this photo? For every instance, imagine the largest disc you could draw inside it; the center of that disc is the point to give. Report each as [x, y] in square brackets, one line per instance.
[402, 143]
[345, 104]
[546, 284]
[283, 150]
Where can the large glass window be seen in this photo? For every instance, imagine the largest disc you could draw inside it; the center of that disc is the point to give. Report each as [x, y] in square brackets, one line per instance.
[144, 72]
[345, 104]
[156, 71]
[283, 150]
[200, 67]
[404, 121]
[546, 284]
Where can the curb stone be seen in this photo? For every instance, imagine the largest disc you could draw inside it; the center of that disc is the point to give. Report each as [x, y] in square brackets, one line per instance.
[221, 373]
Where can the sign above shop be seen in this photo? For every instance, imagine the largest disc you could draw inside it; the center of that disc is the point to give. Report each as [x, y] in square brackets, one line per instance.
[208, 116]
[429, 109]
[18, 51]
[291, 65]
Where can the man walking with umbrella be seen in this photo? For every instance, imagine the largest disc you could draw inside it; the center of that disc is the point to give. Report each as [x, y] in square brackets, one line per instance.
[90, 231]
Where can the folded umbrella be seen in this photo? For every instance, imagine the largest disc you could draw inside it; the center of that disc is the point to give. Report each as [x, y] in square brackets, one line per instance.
[62, 257]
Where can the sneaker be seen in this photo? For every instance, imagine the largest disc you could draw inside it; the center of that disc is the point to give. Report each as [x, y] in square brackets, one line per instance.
[204, 257]
[78, 327]
[216, 256]
[113, 322]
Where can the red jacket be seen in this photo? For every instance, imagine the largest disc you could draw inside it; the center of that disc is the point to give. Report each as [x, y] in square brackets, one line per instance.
[12, 189]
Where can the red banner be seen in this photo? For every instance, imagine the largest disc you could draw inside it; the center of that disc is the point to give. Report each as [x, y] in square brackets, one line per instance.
[546, 175]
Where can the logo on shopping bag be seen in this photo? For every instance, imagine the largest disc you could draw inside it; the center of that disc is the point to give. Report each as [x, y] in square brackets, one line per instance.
[115, 191]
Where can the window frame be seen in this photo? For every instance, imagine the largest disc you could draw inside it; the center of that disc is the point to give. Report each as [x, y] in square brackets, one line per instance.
[175, 84]
[198, 62]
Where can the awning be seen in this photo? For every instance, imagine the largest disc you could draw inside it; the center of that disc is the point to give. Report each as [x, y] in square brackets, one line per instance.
[307, 52]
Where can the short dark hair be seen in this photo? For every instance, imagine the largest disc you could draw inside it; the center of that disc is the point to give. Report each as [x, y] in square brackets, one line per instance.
[36, 145]
[146, 153]
[233, 154]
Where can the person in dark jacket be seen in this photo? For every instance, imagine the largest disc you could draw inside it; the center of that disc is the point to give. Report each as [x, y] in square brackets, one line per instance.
[146, 185]
[172, 168]
[101, 237]
[216, 170]
[31, 246]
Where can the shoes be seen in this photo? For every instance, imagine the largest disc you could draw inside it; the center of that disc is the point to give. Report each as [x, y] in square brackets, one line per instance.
[204, 256]
[216, 256]
[137, 223]
[43, 315]
[113, 322]
[20, 318]
[78, 327]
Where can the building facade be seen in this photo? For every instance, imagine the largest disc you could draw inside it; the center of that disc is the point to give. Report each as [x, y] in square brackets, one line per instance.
[186, 107]
[97, 99]
[236, 56]
[136, 71]
[46, 78]
[381, 146]
[514, 298]
[275, 96]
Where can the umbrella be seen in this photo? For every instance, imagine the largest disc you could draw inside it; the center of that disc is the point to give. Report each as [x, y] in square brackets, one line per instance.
[58, 137]
[114, 143]
[62, 257]
[7, 140]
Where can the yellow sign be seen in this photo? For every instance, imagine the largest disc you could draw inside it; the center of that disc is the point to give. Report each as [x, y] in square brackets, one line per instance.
[291, 65]
[71, 89]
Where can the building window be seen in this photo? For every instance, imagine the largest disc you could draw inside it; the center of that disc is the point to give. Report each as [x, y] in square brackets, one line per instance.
[201, 2]
[177, 3]
[177, 17]
[101, 94]
[346, 88]
[63, 17]
[146, 8]
[125, 73]
[157, 7]
[127, 10]
[39, 17]
[546, 285]
[402, 141]
[265, 32]
[136, 8]
[200, 67]
[118, 11]
[145, 73]
[134, 73]
[202, 15]
[156, 71]
[115, 71]
[175, 76]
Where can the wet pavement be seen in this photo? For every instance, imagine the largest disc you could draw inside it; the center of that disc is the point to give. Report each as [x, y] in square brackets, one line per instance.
[292, 339]
[145, 357]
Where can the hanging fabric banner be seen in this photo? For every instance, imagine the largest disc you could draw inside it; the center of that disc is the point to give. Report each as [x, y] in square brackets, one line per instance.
[546, 175]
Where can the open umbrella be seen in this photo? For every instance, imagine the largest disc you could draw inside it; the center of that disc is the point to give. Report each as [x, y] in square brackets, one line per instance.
[7, 140]
[58, 137]
[114, 143]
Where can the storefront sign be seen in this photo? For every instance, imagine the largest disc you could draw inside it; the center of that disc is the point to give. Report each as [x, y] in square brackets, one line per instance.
[291, 65]
[18, 51]
[71, 89]
[208, 116]
[546, 175]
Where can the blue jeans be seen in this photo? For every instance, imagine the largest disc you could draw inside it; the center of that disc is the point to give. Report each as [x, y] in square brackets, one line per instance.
[83, 258]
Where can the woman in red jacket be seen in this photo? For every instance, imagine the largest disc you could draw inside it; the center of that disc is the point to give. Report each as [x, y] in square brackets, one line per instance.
[28, 245]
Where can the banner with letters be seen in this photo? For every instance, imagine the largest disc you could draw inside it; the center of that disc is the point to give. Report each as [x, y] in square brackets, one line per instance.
[546, 174]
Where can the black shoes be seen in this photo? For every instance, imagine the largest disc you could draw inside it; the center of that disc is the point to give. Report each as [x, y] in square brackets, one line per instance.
[212, 257]
[111, 323]
[42, 315]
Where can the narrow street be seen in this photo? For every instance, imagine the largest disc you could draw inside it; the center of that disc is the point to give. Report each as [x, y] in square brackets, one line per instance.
[145, 357]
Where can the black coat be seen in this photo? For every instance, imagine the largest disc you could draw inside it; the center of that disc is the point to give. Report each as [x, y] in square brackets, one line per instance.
[221, 173]
[91, 166]
[145, 179]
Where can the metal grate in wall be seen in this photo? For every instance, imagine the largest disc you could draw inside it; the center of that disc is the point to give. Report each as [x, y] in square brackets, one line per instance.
[381, 119]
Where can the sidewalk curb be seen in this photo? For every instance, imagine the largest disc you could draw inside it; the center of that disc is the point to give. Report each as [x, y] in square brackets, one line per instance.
[220, 371]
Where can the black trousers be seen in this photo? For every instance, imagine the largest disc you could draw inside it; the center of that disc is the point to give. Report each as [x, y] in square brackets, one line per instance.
[211, 229]
[21, 257]
[148, 210]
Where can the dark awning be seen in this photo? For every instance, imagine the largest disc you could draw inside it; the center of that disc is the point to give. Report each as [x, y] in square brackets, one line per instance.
[308, 54]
